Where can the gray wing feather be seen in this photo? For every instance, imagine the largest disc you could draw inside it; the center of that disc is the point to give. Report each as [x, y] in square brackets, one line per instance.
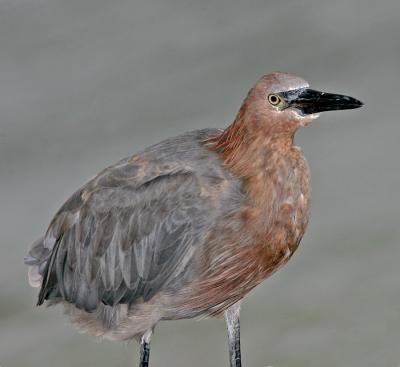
[119, 239]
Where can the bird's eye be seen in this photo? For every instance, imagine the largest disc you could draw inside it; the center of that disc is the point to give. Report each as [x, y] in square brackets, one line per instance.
[274, 99]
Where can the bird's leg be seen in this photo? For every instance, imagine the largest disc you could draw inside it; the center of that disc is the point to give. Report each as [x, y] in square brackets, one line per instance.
[145, 348]
[232, 324]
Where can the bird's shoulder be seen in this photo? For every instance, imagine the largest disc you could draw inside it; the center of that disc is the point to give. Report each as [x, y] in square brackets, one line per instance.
[158, 168]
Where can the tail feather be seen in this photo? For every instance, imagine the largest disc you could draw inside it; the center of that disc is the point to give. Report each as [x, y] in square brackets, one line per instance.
[34, 277]
[49, 281]
[36, 259]
[38, 253]
[40, 260]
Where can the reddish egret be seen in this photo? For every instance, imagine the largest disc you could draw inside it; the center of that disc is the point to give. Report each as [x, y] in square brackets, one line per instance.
[187, 227]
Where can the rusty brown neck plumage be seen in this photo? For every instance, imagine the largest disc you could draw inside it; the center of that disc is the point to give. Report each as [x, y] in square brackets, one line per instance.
[248, 144]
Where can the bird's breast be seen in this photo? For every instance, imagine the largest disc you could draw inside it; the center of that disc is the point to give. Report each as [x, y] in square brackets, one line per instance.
[249, 244]
[278, 207]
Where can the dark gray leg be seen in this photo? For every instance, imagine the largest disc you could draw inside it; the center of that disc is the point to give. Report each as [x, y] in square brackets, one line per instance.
[145, 349]
[232, 324]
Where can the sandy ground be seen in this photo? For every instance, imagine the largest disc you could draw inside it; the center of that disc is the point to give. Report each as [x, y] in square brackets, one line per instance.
[86, 82]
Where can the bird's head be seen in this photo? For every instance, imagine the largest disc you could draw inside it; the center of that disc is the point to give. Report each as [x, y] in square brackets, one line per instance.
[277, 105]
[285, 101]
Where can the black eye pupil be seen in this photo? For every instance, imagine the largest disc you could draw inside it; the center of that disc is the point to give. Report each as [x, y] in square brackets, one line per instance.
[273, 99]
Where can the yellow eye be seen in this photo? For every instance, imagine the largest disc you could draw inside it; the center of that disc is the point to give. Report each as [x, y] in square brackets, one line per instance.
[274, 99]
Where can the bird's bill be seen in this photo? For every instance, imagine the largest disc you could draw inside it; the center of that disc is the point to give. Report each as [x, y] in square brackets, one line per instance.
[309, 101]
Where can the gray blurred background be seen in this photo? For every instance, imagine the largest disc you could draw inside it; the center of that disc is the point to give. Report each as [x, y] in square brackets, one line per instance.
[86, 82]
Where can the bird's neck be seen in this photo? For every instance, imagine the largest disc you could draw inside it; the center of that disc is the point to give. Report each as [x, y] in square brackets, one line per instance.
[251, 144]
[274, 173]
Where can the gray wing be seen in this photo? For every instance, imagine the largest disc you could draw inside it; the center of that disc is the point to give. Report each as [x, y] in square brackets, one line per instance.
[127, 234]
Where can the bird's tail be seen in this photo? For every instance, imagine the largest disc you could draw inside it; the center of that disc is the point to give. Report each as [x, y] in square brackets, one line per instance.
[37, 259]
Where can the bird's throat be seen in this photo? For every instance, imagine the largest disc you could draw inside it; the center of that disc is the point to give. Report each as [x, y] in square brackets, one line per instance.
[248, 147]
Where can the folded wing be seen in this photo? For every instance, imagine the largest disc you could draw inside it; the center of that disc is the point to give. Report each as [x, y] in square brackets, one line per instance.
[127, 234]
